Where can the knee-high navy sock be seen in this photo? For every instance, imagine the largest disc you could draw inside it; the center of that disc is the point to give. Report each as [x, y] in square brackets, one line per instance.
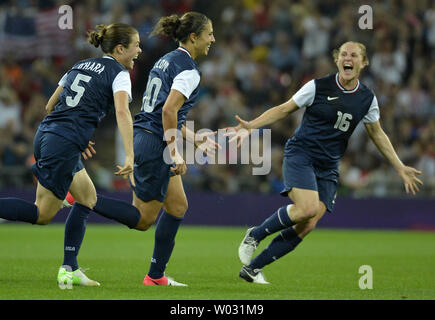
[15, 209]
[164, 242]
[75, 228]
[118, 210]
[278, 221]
[282, 244]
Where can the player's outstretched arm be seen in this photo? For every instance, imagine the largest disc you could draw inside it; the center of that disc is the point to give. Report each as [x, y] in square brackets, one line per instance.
[383, 143]
[201, 140]
[243, 129]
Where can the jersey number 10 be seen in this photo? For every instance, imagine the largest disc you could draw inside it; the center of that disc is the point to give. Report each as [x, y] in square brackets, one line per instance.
[343, 122]
[150, 97]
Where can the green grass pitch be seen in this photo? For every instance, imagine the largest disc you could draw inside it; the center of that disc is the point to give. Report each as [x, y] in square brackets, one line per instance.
[324, 266]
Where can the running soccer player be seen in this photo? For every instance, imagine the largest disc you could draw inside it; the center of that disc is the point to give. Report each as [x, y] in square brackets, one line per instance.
[171, 91]
[334, 106]
[86, 93]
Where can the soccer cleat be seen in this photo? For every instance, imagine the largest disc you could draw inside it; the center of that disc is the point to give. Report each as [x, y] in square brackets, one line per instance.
[252, 275]
[65, 204]
[77, 278]
[80, 279]
[68, 201]
[247, 248]
[163, 281]
[64, 278]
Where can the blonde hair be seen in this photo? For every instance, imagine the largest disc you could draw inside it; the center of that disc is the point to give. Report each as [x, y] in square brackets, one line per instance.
[362, 48]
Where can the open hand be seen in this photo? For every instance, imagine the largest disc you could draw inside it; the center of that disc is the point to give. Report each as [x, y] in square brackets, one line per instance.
[238, 133]
[408, 175]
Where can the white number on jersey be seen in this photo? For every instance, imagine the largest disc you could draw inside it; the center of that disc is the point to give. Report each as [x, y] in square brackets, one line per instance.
[150, 97]
[343, 122]
[77, 88]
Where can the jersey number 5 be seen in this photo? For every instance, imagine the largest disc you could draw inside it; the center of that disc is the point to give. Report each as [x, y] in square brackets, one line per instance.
[343, 122]
[78, 89]
[150, 97]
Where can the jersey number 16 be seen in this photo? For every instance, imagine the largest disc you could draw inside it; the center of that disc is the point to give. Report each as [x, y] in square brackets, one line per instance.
[343, 122]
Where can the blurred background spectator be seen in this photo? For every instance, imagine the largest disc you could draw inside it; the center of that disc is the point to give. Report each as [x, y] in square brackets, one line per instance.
[265, 51]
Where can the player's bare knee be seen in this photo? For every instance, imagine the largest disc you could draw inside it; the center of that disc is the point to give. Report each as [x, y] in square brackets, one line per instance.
[309, 210]
[177, 209]
[88, 202]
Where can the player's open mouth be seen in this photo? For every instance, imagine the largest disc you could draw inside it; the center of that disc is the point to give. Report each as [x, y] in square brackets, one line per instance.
[347, 67]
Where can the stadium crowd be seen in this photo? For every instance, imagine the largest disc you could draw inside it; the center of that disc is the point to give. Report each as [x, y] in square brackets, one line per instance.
[265, 51]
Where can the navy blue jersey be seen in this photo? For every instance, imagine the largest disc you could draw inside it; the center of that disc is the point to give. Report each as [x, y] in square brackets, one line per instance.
[87, 96]
[175, 70]
[331, 115]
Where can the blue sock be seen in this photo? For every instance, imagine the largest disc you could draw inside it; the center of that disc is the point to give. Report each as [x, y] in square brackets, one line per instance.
[75, 227]
[15, 209]
[278, 221]
[282, 244]
[117, 210]
[164, 242]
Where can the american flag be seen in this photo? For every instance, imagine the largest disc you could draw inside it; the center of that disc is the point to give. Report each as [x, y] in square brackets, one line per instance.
[38, 35]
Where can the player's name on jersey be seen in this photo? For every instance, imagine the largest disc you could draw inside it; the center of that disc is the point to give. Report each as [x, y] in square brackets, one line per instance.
[91, 66]
[162, 64]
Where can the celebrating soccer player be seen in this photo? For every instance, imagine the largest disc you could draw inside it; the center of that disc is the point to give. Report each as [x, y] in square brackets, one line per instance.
[86, 93]
[172, 90]
[334, 106]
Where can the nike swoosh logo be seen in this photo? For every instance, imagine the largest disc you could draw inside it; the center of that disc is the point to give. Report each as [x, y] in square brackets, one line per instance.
[332, 98]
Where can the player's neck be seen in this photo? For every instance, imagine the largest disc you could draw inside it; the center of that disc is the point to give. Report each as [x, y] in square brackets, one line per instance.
[189, 47]
[348, 84]
[114, 56]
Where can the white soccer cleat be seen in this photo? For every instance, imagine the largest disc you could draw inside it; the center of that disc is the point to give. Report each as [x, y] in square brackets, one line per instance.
[172, 282]
[253, 275]
[66, 277]
[247, 248]
[79, 278]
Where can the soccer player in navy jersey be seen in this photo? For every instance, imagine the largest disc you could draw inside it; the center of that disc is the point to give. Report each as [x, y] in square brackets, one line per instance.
[171, 91]
[86, 93]
[334, 106]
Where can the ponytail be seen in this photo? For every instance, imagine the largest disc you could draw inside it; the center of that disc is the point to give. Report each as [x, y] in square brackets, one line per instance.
[108, 37]
[178, 28]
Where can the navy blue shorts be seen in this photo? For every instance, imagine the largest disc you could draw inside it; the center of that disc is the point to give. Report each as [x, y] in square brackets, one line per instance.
[299, 171]
[151, 173]
[57, 161]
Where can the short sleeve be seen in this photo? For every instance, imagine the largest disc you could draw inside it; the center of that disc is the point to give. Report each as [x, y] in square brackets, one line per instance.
[186, 82]
[62, 81]
[122, 82]
[373, 113]
[305, 95]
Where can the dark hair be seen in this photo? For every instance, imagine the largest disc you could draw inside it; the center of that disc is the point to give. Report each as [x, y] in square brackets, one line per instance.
[178, 28]
[108, 37]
